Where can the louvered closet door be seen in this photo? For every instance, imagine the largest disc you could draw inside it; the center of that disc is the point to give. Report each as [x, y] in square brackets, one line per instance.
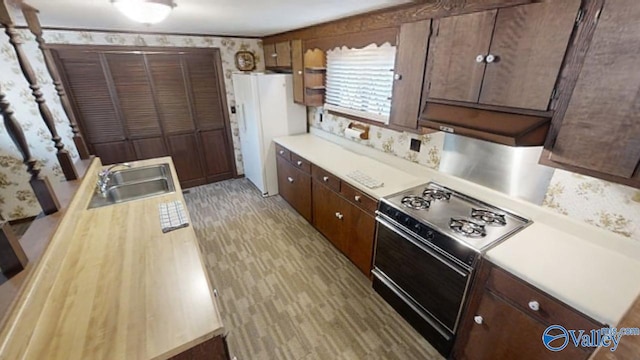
[204, 75]
[87, 86]
[134, 96]
[175, 113]
[137, 105]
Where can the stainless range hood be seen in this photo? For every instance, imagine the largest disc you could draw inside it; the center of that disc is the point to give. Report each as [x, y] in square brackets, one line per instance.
[525, 129]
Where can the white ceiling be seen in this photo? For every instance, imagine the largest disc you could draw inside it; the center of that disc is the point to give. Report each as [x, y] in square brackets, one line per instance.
[215, 17]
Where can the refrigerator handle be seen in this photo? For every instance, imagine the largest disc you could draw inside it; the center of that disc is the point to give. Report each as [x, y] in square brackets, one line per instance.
[243, 122]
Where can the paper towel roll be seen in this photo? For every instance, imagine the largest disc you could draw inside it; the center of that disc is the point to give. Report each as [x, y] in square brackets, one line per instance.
[353, 133]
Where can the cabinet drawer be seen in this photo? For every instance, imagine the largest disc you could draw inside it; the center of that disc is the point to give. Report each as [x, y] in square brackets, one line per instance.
[358, 198]
[295, 187]
[326, 178]
[537, 304]
[300, 163]
[285, 153]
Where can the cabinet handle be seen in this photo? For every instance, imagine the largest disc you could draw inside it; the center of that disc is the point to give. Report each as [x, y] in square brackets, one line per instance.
[397, 77]
[339, 215]
[299, 163]
[281, 152]
[274, 55]
[215, 292]
[534, 305]
[299, 72]
[290, 179]
[478, 319]
[490, 58]
[325, 178]
[480, 58]
[357, 198]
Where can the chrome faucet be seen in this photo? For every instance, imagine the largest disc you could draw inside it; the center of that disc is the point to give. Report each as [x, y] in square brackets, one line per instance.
[104, 177]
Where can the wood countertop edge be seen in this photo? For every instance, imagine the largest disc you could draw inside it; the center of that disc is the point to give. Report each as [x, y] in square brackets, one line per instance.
[17, 334]
[36, 287]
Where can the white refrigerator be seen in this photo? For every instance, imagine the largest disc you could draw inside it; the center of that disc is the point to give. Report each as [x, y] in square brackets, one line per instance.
[265, 110]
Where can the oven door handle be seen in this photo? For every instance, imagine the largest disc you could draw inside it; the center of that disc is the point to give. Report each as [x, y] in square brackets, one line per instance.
[422, 247]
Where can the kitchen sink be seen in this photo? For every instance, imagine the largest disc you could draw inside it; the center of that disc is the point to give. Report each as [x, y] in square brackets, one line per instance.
[133, 184]
[140, 174]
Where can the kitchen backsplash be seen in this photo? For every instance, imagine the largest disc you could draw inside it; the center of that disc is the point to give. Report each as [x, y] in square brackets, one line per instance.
[597, 202]
[16, 198]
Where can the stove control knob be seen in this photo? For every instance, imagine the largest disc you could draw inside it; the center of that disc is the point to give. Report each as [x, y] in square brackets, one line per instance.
[397, 214]
[478, 319]
[417, 227]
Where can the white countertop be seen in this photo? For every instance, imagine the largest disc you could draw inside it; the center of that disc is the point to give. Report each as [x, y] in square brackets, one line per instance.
[591, 269]
[335, 159]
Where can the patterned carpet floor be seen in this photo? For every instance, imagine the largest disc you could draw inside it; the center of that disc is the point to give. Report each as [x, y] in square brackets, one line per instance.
[285, 291]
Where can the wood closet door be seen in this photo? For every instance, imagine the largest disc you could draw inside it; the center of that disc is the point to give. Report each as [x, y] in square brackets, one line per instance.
[205, 78]
[167, 74]
[135, 105]
[88, 89]
[133, 94]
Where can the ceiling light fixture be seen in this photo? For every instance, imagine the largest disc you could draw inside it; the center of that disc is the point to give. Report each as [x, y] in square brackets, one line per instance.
[145, 11]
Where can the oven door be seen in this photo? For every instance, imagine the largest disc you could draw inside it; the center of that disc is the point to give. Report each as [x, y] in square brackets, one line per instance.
[424, 276]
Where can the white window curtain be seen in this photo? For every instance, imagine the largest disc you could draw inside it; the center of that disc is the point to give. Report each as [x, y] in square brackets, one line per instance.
[360, 81]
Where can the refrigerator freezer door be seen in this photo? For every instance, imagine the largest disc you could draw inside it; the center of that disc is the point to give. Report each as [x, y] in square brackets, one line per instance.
[250, 126]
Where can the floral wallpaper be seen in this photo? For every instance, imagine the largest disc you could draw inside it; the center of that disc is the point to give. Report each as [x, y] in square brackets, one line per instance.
[386, 140]
[16, 198]
[607, 205]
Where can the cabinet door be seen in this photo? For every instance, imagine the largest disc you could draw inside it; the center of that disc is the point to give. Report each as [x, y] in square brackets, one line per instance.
[170, 91]
[283, 51]
[270, 55]
[329, 215]
[529, 43]
[133, 92]
[150, 148]
[87, 87]
[410, 61]
[601, 127]
[361, 229]
[184, 151]
[295, 187]
[508, 333]
[297, 67]
[207, 91]
[114, 152]
[455, 73]
[217, 159]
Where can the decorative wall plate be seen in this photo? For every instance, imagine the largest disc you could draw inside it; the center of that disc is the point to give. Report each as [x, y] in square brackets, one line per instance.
[245, 61]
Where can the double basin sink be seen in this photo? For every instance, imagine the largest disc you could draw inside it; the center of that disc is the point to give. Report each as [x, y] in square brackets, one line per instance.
[135, 183]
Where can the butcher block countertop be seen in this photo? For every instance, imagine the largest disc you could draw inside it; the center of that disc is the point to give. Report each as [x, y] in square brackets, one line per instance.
[591, 269]
[111, 285]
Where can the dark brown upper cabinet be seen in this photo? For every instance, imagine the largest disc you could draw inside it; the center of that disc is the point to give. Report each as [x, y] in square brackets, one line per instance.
[409, 70]
[596, 130]
[297, 68]
[509, 57]
[277, 55]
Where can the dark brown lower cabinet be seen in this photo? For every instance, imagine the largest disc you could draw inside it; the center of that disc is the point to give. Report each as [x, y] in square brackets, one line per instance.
[506, 318]
[360, 239]
[212, 349]
[339, 211]
[331, 215]
[295, 187]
